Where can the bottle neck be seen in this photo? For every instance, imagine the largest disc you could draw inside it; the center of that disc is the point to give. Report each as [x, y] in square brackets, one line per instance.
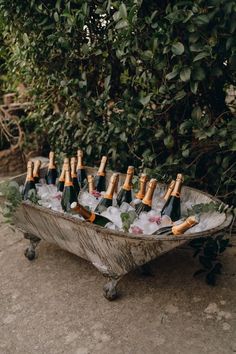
[91, 187]
[169, 190]
[51, 164]
[112, 186]
[87, 215]
[101, 170]
[181, 228]
[142, 186]
[80, 165]
[36, 169]
[149, 194]
[29, 176]
[128, 180]
[68, 181]
[177, 188]
[73, 167]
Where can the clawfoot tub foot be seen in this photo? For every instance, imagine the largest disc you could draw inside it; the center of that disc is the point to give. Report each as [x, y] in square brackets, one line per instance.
[30, 251]
[110, 288]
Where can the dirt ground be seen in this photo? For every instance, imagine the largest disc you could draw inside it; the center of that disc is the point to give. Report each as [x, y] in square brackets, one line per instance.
[54, 305]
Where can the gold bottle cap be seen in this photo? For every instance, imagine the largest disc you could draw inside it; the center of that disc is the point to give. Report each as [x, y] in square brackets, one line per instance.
[73, 163]
[149, 194]
[112, 186]
[128, 180]
[169, 190]
[87, 215]
[91, 187]
[187, 224]
[142, 186]
[51, 164]
[29, 175]
[178, 184]
[101, 170]
[80, 156]
[37, 165]
[68, 181]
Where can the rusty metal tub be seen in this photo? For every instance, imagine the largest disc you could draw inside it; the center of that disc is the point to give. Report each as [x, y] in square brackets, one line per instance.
[113, 253]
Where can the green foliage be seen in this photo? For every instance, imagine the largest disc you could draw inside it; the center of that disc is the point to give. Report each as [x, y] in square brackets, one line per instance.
[143, 81]
[11, 196]
[208, 250]
[127, 219]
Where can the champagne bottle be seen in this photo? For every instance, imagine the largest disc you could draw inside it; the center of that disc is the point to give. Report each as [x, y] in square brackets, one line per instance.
[91, 187]
[74, 175]
[36, 171]
[69, 195]
[106, 201]
[29, 182]
[81, 173]
[52, 171]
[100, 179]
[125, 193]
[146, 203]
[177, 229]
[88, 215]
[61, 181]
[172, 205]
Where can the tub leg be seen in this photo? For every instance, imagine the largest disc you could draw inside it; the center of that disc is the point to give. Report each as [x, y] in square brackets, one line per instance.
[30, 251]
[110, 288]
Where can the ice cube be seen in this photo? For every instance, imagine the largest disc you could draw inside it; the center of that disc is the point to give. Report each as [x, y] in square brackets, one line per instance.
[165, 221]
[88, 199]
[125, 207]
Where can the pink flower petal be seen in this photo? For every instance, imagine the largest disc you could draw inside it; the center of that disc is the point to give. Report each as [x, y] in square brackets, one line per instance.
[136, 230]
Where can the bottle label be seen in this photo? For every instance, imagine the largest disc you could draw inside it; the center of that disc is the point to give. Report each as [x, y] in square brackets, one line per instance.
[101, 173]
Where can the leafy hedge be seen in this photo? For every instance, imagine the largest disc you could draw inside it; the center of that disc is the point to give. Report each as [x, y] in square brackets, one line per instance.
[142, 80]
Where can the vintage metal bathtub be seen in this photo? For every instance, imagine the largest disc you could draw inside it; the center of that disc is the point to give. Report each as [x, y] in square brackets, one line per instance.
[113, 253]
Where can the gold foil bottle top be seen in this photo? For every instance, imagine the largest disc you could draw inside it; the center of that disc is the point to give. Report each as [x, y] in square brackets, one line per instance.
[51, 164]
[142, 186]
[91, 187]
[178, 184]
[73, 163]
[112, 186]
[169, 190]
[80, 156]
[65, 164]
[181, 228]
[37, 165]
[128, 180]
[68, 181]
[149, 194]
[29, 175]
[101, 170]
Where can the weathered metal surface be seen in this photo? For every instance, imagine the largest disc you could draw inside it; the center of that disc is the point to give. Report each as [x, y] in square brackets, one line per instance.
[113, 253]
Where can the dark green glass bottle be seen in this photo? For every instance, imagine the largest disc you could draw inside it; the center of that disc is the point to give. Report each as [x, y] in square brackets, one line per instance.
[52, 171]
[125, 193]
[89, 216]
[146, 203]
[29, 182]
[74, 175]
[81, 173]
[36, 171]
[100, 178]
[106, 201]
[172, 206]
[69, 195]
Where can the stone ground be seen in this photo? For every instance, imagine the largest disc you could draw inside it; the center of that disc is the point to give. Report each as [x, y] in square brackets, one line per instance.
[54, 305]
